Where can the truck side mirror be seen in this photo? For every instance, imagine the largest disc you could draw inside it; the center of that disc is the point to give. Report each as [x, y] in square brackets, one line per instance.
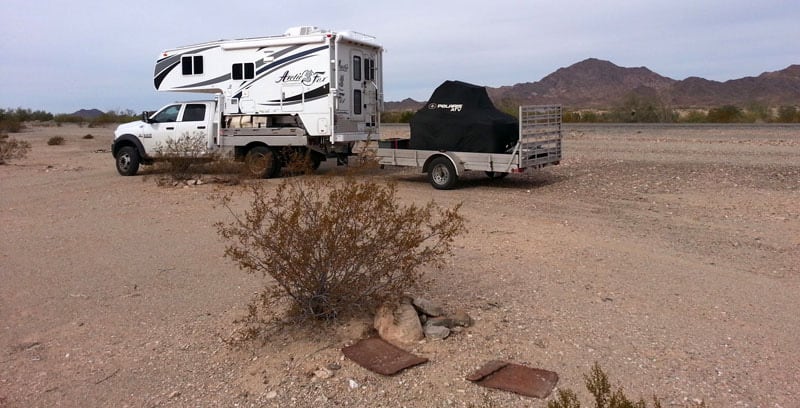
[146, 117]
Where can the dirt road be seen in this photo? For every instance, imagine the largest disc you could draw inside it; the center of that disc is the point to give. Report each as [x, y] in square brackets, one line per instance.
[669, 255]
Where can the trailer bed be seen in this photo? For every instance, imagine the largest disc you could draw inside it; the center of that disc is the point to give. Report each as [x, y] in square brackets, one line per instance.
[539, 145]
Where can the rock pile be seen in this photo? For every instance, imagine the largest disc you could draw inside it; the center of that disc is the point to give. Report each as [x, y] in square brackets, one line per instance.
[414, 319]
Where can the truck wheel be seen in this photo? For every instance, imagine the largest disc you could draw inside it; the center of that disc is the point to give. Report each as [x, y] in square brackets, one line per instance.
[442, 174]
[496, 175]
[127, 161]
[262, 162]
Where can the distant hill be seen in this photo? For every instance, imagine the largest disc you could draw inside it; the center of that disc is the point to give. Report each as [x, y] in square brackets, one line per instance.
[88, 114]
[595, 83]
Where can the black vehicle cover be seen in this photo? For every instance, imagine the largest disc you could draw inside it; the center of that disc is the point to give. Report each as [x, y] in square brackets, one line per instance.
[461, 117]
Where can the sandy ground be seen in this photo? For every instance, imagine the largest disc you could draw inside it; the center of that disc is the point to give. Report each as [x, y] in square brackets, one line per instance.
[669, 255]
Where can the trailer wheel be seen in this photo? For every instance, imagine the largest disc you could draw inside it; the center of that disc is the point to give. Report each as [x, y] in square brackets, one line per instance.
[127, 161]
[262, 162]
[442, 174]
[496, 175]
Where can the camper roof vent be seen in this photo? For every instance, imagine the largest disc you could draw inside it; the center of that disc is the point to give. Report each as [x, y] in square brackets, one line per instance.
[302, 30]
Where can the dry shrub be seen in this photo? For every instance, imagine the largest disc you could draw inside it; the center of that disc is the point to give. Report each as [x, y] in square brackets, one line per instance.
[334, 246]
[598, 385]
[11, 148]
[176, 157]
[55, 141]
[88, 136]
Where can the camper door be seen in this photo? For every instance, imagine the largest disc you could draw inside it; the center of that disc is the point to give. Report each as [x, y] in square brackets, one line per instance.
[364, 87]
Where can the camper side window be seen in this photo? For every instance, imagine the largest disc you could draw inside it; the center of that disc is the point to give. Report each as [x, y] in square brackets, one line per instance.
[356, 101]
[243, 71]
[356, 68]
[194, 113]
[369, 69]
[192, 64]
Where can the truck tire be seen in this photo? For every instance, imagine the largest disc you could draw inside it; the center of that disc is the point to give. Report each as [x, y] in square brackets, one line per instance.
[442, 174]
[127, 161]
[496, 175]
[262, 162]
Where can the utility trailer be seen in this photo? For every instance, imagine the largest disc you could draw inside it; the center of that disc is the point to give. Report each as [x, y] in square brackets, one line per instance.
[310, 91]
[539, 145]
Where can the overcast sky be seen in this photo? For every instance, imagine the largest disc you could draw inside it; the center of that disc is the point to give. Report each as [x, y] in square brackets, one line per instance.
[61, 56]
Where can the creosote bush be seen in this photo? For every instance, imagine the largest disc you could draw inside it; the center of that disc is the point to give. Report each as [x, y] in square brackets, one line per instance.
[11, 148]
[334, 245]
[598, 385]
[175, 157]
[55, 141]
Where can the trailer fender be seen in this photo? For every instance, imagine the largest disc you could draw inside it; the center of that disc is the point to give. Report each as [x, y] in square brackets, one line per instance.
[453, 159]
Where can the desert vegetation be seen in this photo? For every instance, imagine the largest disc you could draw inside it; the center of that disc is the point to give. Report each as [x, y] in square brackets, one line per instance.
[333, 246]
[636, 108]
[56, 141]
[11, 148]
[13, 120]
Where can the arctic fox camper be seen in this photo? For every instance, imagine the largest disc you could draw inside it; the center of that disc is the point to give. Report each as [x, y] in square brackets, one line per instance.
[309, 90]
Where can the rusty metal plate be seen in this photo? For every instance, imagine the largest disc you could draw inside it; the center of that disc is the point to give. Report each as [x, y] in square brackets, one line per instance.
[378, 356]
[531, 382]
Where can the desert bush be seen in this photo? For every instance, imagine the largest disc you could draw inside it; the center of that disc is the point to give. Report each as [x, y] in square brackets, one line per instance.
[111, 117]
[599, 386]
[10, 125]
[64, 118]
[397, 116]
[13, 149]
[333, 246]
[176, 157]
[55, 141]
[725, 114]
[88, 136]
[788, 114]
[694, 116]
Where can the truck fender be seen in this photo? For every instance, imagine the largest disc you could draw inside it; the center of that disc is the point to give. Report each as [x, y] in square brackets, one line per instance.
[128, 140]
[453, 159]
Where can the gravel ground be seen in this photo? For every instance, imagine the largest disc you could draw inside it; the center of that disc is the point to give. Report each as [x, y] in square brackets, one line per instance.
[670, 255]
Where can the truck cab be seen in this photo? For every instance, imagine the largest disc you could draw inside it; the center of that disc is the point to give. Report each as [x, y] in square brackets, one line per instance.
[140, 141]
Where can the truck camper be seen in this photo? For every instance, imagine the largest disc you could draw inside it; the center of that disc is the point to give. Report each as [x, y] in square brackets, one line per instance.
[310, 90]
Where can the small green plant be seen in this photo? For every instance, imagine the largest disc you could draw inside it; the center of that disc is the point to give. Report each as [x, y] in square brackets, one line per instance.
[598, 385]
[332, 246]
[55, 141]
[13, 149]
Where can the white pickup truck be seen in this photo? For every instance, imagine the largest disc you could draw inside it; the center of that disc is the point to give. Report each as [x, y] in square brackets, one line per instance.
[310, 91]
[262, 148]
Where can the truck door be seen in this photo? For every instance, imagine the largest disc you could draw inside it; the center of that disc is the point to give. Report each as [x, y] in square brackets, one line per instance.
[176, 121]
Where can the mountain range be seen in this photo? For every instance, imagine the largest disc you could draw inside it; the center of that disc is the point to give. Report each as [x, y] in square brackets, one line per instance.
[599, 84]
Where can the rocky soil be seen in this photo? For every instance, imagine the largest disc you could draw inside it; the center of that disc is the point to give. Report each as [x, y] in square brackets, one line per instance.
[669, 255]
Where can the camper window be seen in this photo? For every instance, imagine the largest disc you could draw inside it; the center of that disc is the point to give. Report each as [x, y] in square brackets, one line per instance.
[357, 102]
[356, 68]
[194, 113]
[192, 64]
[369, 69]
[243, 71]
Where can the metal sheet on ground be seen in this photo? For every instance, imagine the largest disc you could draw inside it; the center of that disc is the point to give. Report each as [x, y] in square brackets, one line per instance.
[531, 382]
[378, 356]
